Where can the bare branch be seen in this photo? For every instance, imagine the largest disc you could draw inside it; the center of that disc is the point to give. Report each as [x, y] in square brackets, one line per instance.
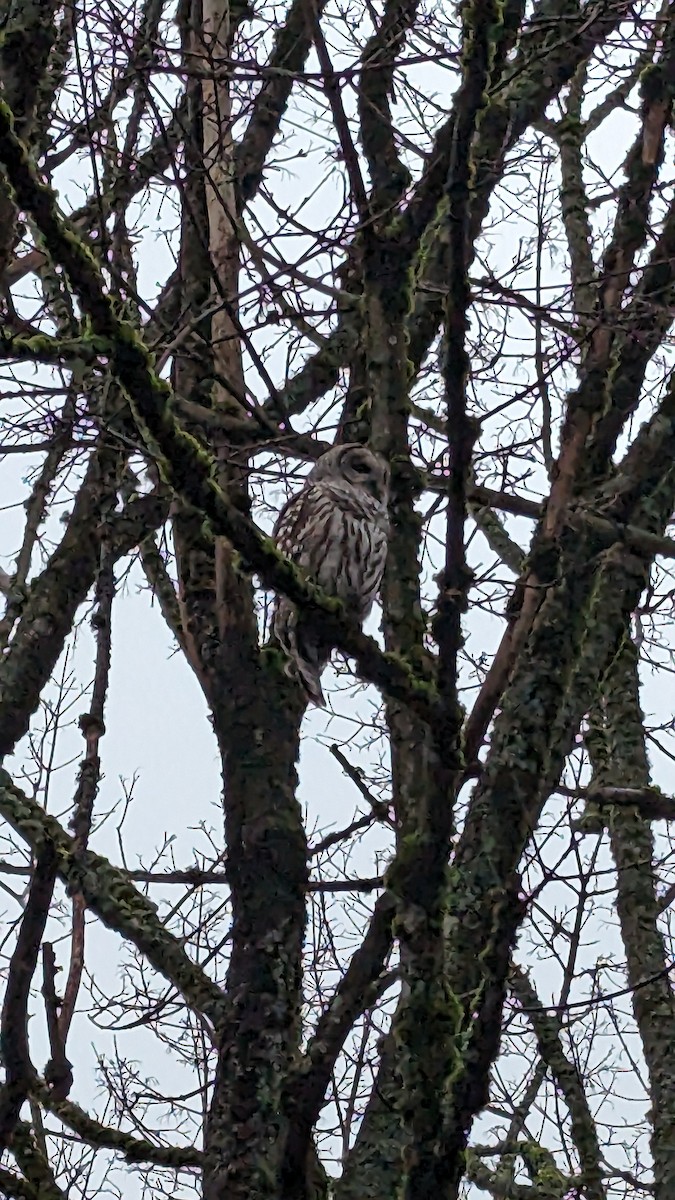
[19, 1070]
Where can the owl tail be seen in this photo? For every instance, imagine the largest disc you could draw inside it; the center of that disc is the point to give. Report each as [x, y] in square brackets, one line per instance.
[311, 680]
[306, 660]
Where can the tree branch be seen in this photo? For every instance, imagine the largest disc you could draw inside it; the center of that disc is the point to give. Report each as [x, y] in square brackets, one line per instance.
[104, 1137]
[548, 1032]
[19, 1071]
[292, 44]
[110, 894]
[616, 746]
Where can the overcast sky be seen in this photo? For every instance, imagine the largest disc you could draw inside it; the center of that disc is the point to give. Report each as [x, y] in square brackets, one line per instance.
[157, 727]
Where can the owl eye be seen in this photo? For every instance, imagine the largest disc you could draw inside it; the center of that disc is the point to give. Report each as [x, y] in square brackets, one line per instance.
[362, 468]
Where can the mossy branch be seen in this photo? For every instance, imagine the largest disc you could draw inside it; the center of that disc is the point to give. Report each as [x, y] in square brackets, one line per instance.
[15, 1187]
[388, 172]
[548, 1032]
[32, 1161]
[427, 1028]
[496, 536]
[570, 135]
[43, 348]
[617, 749]
[500, 1185]
[109, 893]
[103, 1137]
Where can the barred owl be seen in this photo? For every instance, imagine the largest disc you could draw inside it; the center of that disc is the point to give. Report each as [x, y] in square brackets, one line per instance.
[336, 529]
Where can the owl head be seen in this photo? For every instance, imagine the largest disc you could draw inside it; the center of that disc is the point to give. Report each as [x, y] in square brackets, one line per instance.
[357, 465]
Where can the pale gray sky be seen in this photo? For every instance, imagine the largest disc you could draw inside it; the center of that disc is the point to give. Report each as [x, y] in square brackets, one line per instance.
[156, 717]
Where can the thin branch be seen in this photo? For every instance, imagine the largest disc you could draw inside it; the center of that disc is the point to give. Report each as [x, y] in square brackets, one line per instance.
[19, 1071]
[93, 728]
[95, 1133]
[380, 810]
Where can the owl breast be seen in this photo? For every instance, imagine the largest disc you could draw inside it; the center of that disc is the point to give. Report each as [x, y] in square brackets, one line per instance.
[336, 529]
[351, 560]
[343, 544]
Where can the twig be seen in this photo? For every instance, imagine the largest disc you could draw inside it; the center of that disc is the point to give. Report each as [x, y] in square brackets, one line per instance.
[380, 810]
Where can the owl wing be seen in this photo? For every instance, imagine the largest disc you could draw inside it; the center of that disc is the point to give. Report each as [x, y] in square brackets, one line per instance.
[299, 527]
[298, 532]
[375, 538]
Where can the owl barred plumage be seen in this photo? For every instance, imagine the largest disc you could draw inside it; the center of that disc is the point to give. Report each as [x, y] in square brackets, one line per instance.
[336, 528]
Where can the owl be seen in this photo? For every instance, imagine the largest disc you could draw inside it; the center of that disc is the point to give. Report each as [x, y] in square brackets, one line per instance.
[336, 528]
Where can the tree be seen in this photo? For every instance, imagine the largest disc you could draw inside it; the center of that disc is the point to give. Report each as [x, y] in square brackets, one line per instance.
[449, 232]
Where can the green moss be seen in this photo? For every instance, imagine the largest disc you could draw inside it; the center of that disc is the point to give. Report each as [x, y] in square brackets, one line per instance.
[33, 1163]
[543, 1170]
[654, 84]
[43, 348]
[134, 1149]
